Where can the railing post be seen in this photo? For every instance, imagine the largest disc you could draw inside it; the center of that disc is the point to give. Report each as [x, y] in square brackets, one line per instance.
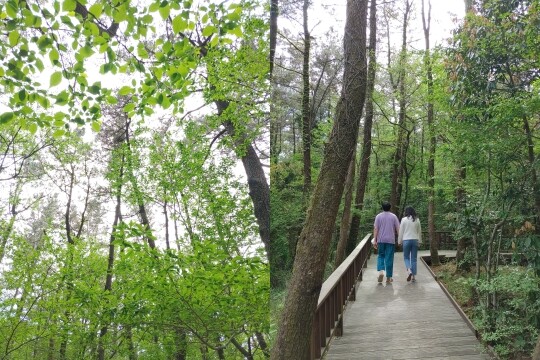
[339, 327]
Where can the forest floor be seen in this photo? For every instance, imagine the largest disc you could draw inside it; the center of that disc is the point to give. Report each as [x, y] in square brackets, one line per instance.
[459, 285]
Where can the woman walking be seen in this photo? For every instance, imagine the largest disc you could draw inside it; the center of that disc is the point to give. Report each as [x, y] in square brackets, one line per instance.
[410, 234]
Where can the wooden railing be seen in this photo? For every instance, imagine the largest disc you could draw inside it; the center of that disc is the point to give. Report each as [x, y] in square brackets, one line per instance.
[336, 292]
[444, 239]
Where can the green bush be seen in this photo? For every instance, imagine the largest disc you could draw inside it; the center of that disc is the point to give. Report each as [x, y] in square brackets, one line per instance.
[509, 320]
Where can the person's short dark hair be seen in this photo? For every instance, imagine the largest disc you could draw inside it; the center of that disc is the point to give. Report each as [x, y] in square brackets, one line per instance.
[386, 206]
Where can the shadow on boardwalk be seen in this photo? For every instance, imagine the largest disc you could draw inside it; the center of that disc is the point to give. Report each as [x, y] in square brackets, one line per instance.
[403, 320]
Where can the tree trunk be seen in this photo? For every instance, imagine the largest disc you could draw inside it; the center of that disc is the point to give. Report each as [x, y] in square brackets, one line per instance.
[166, 214]
[306, 113]
[536, 353]
[259, 191]
[246, 355]
[433, 245]
[462, 242]
[534, 176]
[401, 150]
[368, 125]
[137, 192]
[293, 337]
[274, 12]
[262, 344]
[110, 262]
[346, 217]
[5, 230]
[132, 351]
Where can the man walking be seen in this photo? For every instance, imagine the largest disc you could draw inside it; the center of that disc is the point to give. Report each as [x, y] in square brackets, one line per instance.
[385, 229]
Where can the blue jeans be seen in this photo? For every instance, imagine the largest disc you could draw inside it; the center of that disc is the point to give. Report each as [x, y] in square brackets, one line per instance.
[410, 252]
[385, 260]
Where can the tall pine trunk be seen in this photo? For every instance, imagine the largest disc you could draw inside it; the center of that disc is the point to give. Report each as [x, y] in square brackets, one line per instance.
[293, 337]
[306, 113]
[433, 245]
[368, 125]
[400, 155]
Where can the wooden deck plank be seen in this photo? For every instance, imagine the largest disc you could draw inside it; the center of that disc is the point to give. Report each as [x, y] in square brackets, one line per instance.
[403, 321]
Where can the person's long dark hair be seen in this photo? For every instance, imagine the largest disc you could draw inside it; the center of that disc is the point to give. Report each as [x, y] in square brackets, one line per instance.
[409, 211]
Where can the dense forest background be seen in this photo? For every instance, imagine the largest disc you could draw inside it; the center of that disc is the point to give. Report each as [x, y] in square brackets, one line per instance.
[452, 130]
[133, 199]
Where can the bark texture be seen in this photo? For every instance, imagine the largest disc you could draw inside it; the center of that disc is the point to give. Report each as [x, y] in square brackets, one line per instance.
[346, 217]
[400, 155]
[536, 354]
[293, 338]
[433, 245]
[259, 190]
[368, 125]
[306, 110]
[274, 12]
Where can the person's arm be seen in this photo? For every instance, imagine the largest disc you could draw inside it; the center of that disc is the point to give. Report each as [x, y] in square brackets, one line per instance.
[375, 232]
[400, 234]
[419, 231]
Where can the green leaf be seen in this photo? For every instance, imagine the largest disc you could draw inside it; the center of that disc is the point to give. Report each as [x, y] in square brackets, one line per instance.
[39, 65]
[141, 51]
[209, 30]
[87, 51]
[96, 10]
[96, 126]
[32, 127]
[236, 31]
[154, 7]
[22, 95]
[11, 9]
[164, 12]
[129, 107]
[56, 78]
[111, 100]
[179, 24]
[125, 90]
[6, 117]
[120, 14]
[147, 19]
[58, 133]
[14, 38]
[54, 56]
[62, 98]
[69, 5]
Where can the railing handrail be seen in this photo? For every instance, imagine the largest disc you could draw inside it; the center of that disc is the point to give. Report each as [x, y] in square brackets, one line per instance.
[336, 292]
[330, 283]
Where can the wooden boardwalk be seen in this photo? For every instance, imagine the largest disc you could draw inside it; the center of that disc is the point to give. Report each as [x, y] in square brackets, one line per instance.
[403, 320]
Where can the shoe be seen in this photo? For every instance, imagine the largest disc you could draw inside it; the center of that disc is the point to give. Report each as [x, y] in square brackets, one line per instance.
[413, 279]
[379, 279]
[409, 277]
[389, 280]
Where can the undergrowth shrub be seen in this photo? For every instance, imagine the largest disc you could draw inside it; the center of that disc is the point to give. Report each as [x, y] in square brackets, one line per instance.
[509, 320]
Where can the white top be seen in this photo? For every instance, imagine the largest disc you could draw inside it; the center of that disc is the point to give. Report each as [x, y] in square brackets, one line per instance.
[410, 230]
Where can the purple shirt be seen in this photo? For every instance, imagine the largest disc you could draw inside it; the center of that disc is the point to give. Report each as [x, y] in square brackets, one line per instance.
[387, 224]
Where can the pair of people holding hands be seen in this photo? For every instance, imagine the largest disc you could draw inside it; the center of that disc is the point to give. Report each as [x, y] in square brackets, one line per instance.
[409, 232]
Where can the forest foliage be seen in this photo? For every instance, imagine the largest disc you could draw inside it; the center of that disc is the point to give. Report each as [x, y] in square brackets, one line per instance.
[127, 226]
[486, 193]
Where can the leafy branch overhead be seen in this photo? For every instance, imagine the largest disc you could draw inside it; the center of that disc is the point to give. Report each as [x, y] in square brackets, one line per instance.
[63, 60]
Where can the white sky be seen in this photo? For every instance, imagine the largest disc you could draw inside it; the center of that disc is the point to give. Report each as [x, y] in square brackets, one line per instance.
[329, 13]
